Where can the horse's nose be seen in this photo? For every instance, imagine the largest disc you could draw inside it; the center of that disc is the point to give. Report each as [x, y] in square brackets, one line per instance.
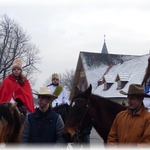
[67, 137]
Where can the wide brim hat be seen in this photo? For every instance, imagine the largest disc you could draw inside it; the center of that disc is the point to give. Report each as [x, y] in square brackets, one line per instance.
[46, 91]
[135, 89]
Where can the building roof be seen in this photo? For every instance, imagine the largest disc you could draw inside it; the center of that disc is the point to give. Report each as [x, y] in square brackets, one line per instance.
[94, 60]
[122, 76]
[97, 66]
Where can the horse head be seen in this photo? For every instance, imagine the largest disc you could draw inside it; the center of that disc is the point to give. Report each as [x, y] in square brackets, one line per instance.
[78, 113]
[10, 123]
[88, 109]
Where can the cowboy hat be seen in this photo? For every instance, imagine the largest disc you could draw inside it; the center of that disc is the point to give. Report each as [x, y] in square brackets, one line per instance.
[45, 91]
[135, 89]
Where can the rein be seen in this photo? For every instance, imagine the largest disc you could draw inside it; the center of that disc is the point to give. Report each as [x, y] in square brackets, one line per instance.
[78, 129]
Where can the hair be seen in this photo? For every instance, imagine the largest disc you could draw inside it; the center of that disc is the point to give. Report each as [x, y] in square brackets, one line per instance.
[147, 72]
[20, 79]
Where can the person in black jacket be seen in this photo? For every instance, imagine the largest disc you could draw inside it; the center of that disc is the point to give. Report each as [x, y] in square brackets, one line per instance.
[43, 125]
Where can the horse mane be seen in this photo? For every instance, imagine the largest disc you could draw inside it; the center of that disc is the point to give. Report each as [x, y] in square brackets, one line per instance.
[14, 122]
[107, 101]
[62, 109]
[105, 110]
[60, 106]
[101, 103]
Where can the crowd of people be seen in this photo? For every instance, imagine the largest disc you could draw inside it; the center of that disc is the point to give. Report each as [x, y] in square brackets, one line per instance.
[43, 125]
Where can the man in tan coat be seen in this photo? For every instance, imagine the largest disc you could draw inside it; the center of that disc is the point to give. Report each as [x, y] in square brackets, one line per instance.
[132, 126]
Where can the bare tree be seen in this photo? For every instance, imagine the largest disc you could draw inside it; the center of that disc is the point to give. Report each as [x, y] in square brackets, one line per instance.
[14, 43]
[66, 79]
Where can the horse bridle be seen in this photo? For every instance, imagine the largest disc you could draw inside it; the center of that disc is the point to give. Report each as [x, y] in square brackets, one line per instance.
[78, 128]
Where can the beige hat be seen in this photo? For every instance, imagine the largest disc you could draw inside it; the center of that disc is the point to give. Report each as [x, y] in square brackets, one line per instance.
[135, 89]
[46, 91]
[55, 75]
[17, 63]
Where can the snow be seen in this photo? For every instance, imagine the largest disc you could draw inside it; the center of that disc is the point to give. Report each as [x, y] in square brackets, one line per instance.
[134, 70]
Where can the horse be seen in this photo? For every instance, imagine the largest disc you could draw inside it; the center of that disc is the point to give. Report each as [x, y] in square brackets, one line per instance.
[11, 123]
[90, 109]
[62, 109]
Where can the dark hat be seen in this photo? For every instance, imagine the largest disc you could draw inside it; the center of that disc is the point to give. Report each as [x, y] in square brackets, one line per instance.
[46, 91]
[135, 89]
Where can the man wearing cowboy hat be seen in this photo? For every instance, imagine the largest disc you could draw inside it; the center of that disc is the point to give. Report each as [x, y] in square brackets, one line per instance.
[44, 125]
[132, 126]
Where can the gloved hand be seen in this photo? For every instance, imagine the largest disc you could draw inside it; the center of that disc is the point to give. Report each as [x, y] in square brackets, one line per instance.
[19, 102]
[21, 107]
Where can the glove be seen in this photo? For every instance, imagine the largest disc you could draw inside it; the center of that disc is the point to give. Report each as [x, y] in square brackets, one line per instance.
[19, 102]
[21, 107]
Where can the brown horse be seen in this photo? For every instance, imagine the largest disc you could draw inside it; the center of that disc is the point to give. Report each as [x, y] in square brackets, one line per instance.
[92, 109]
[62, 110]
[10, 123]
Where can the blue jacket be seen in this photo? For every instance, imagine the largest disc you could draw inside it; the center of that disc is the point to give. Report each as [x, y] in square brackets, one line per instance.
[42, 127]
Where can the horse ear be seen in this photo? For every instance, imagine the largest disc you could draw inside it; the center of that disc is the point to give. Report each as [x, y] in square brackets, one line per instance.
[90, 87]
[76, 91]
[13, 106]
[87, 92]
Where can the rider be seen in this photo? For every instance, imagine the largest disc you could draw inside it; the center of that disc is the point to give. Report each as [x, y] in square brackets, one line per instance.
[16, 87]
[58, 90]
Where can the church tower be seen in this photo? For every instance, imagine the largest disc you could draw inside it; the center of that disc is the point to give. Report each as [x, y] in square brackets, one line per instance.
[104, 49]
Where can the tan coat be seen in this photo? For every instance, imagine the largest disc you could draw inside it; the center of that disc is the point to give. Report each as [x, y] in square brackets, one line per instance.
[130, 129]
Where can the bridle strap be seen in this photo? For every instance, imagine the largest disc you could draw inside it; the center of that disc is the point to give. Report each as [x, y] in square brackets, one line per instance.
[78, 131]
[87, 107]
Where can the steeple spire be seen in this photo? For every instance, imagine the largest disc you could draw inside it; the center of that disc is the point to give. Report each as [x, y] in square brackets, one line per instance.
[104, 49]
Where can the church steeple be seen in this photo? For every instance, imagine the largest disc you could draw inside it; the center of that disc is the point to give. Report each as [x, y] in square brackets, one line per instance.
[104, 49]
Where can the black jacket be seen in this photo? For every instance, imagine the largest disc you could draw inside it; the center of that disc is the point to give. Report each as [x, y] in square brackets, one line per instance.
[42, 127]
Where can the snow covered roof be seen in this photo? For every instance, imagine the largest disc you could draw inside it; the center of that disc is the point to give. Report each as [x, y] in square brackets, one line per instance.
[125, 67]
[92, 60]
[123, 76]
[108, 78]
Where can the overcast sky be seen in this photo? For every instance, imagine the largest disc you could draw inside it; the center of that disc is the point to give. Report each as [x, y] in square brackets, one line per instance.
[63, 28]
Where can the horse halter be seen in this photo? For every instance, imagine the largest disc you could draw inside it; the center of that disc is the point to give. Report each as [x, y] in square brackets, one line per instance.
[78, 128]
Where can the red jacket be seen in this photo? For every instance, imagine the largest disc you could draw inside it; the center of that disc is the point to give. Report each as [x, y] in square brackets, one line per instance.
[11, 89]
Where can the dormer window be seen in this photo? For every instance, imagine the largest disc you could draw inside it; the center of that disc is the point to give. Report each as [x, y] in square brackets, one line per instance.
[105, 86]
[119, 85]
[108, 82]
[122, 79]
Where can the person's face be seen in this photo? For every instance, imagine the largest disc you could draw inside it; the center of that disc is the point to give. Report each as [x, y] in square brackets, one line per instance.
[16, 71]
[55, 80]
[134, 102]
[43, 101]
